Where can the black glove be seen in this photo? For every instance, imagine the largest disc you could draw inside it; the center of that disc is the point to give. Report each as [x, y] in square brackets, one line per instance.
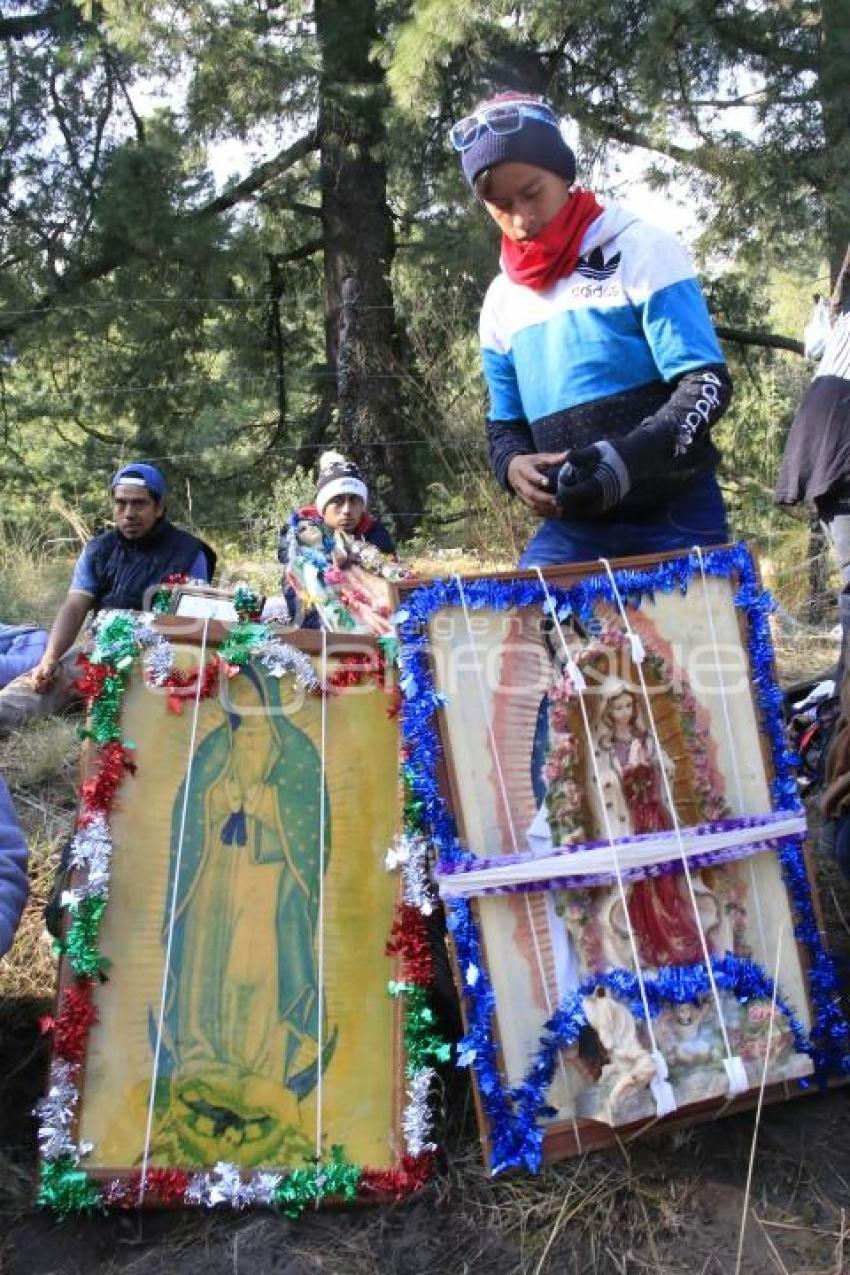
[592, 480]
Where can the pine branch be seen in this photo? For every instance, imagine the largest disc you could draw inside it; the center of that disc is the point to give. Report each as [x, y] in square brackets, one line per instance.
[767, 340]
[76, 278]
[612, 131]
[303, 250]
[260, 177]
[32, 23]
[741, 35]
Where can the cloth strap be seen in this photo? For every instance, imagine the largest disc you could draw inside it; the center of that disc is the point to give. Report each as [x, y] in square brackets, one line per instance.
[592, 863]
[503, 790]
[733, 1064]
[172, 913]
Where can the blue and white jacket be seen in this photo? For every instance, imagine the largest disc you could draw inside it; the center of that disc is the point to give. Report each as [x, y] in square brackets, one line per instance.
[622, 349]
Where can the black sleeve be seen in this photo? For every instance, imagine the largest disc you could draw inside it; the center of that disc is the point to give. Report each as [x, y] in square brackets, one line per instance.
[380, 537]
[506, 439]
[211, 558]
[696, 403]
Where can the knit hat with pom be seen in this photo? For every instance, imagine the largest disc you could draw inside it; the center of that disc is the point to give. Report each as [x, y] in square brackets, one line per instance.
[338, 477]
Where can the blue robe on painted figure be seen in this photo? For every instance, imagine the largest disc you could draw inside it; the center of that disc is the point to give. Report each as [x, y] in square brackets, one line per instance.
[250, 867]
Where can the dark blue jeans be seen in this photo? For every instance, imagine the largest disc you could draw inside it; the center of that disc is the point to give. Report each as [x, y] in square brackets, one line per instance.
[696, 517]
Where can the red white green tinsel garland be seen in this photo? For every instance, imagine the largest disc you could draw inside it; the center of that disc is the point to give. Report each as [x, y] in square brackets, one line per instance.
[121, 639]
[410, 942]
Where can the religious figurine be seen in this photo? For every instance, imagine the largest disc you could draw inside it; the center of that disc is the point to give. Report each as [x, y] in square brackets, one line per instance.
[629, 1067]
[693, 1040]
[624, 786]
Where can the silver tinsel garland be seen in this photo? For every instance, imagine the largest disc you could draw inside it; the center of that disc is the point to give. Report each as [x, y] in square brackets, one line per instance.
[224, 1185]
[279, 658]
[416, 1117]
[91, 850]
[411, 853]
[56, 1114]
[157, 659]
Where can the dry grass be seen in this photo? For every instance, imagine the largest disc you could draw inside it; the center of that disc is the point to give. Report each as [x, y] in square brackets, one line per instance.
[432, 563]
[40, 763]
[35, 565]
[804, 653]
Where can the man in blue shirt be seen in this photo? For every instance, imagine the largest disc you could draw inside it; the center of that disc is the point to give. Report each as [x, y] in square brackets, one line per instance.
[114, 571]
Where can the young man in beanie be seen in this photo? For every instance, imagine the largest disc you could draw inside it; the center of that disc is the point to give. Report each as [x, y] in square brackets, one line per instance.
[604, 372]
[341, 500]
[114, 571]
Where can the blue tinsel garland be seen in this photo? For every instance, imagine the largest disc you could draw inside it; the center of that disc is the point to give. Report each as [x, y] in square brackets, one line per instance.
[513, 1115]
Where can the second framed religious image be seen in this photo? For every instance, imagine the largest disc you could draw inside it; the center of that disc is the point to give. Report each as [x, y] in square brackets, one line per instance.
[632, 921]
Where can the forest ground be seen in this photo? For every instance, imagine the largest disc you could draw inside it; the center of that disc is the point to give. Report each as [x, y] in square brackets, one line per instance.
[670, 1204]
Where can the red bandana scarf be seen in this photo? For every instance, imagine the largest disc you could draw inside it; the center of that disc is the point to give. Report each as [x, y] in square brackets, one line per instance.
[553, 253]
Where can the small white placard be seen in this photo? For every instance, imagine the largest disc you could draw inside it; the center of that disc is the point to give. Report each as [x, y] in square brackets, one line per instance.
[202, 607]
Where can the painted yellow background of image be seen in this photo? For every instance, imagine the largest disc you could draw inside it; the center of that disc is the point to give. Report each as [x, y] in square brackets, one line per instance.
[358, 1083]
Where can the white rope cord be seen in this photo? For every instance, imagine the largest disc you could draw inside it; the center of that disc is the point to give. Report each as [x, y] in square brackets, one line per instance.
[736, 774]
[323, 681]
[730, 737]
[759, 1105]
[172, 914]
[733, 1064]
[503, 788]
[662, 1090]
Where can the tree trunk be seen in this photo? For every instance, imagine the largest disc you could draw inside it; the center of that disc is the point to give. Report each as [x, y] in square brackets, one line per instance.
[835, 104]
[276, 339]
[360, 329]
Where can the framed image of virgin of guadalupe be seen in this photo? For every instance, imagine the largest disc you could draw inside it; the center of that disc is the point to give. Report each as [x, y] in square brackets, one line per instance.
[620, 847]
[224, 1030]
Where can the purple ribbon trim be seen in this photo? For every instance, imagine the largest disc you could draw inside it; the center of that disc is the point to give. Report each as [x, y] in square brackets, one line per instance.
[449, 868]
[709, 860]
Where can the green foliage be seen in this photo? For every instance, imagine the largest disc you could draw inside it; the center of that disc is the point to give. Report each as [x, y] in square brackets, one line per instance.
[745, 98]
[265, 515]
[148, 307]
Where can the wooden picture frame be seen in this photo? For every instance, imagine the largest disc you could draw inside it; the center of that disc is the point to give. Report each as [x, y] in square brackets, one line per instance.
[591, 1012]
[224, 1032]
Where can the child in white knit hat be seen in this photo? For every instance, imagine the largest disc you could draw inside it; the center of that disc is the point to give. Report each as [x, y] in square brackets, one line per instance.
[341, 500]
[337, 531]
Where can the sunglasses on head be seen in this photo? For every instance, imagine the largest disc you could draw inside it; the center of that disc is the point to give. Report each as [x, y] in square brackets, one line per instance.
[500, 118]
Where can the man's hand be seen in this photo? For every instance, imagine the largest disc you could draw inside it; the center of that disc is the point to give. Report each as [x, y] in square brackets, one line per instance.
[531, 478]
[591, 481]
[44, 673]
[63, 634]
